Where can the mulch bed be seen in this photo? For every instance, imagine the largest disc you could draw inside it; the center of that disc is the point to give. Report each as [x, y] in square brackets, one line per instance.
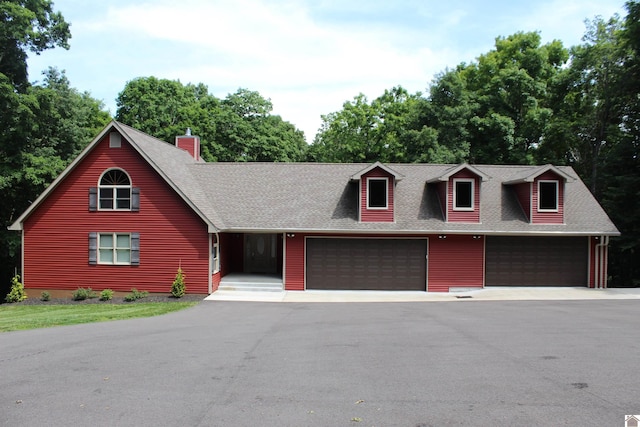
[115, 300]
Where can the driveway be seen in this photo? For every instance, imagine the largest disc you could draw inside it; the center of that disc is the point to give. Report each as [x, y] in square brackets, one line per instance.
[221, 363]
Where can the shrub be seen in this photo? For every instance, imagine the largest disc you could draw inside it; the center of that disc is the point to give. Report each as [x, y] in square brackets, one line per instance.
[135, 295]
[91, 293]
[45, 296]
[178, 288]
[80, 294]
[106, 295]
[17, 293]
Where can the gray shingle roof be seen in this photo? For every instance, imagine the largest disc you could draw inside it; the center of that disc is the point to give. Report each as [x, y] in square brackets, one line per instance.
[324, 197]
[321, 197]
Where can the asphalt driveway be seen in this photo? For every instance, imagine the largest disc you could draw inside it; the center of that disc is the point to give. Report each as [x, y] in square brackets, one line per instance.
[480, 363]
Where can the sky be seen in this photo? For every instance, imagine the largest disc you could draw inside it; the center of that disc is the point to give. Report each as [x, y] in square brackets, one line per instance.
[308, 57]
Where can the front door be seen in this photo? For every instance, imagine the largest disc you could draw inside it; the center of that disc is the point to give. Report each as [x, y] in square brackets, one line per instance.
[260, 253]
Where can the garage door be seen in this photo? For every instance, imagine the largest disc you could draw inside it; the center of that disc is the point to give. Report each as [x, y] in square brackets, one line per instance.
[366, 264]
[536, 261]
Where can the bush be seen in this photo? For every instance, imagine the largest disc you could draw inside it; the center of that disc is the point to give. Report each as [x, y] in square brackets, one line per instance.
[135, 295]
[17, 293]
[106, 295]
[82, 294]
[178, 288]
[45, 296]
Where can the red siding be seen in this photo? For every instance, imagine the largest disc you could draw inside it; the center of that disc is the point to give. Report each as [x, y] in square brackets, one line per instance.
[171, 235]
[548, 217]
[376, 215]
[523, 193]
[457, 261]
[464, 216]
[598, 261]
[294, 263]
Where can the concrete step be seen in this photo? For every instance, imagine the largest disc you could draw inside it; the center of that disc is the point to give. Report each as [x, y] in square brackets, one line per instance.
[250, 287]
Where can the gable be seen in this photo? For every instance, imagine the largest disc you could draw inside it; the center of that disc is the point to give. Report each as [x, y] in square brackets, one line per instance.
[376, 196]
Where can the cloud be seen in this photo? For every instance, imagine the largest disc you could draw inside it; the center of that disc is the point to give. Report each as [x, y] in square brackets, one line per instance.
[283, 52]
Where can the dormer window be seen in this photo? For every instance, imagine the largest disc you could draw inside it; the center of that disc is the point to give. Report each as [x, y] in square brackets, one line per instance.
[463, 194]
[377, 197]
[548, 196]
[114, 190]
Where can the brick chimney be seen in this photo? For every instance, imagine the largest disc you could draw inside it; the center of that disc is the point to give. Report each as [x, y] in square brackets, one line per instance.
[189, 143]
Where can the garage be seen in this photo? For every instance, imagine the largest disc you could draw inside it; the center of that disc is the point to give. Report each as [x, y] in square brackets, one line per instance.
[366, 264]
[536, 261]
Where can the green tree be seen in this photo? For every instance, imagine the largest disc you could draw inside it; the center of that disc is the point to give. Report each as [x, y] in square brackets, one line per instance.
[28, 26]
[392, 128]
[237, 128]
[500, 105]
[47, 127]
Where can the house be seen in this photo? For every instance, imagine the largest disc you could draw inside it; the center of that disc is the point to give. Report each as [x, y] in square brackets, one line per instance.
[131, 209]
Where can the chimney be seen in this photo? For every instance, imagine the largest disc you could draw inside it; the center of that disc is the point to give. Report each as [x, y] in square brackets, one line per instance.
[189, 143]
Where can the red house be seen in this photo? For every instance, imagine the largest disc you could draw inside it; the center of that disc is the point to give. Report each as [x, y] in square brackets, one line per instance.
[131, 209]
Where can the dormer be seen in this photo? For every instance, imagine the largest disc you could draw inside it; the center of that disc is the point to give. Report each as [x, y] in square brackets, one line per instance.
[458, 190]
[540, 191]
[376, 184]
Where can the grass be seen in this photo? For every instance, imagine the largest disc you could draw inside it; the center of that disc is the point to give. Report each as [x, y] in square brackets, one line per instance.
[22, 317]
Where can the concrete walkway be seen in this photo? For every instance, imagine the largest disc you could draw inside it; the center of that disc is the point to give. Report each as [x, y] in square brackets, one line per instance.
[487, 294]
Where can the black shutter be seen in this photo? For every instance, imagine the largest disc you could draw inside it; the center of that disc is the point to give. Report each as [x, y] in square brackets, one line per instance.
[93, 248]
[93, 199]
[135, 199]
[135, 248]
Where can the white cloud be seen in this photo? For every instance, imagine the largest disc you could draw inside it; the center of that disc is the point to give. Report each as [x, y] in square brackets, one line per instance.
[308, 56]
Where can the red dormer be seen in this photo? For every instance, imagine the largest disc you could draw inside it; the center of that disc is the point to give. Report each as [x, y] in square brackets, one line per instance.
[376, 185]
[540, 192]
[459, 193]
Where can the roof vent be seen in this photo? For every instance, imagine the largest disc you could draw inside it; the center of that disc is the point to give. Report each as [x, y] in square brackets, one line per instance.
[188, 132]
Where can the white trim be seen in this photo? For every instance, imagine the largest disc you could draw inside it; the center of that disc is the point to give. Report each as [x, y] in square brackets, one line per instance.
[386, 190]
[284, 261]
[473, 194]
[115, 189]
[557, 184]
[114, 248]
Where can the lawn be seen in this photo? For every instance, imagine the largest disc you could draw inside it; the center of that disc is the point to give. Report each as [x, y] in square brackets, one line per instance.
[21, 317]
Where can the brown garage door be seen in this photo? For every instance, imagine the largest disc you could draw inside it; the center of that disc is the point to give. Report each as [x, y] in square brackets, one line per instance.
[366, 264]
[536, 261]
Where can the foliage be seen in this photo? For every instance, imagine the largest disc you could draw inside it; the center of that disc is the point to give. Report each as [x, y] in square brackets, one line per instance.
[135, 295]
[106, 295]
[28, 26]
[178, 287]
[46, 128]
[237, 128]
[392, 128]
[22, 317]
[82, 294]
[45, 296]
[17, 292]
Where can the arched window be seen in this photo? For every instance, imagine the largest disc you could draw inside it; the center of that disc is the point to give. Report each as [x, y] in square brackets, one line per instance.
[114, 190]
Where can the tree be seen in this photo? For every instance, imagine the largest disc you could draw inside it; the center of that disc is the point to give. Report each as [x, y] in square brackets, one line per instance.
[500, 105]
[237, 128]
[28, 26]
[48, 126]
[392, 128]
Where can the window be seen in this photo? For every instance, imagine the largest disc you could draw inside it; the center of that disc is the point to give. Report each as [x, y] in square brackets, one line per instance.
[548, 196]
[114, 248]
[114, 191]
[377, 193]
[463, 194]
[215, 256]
